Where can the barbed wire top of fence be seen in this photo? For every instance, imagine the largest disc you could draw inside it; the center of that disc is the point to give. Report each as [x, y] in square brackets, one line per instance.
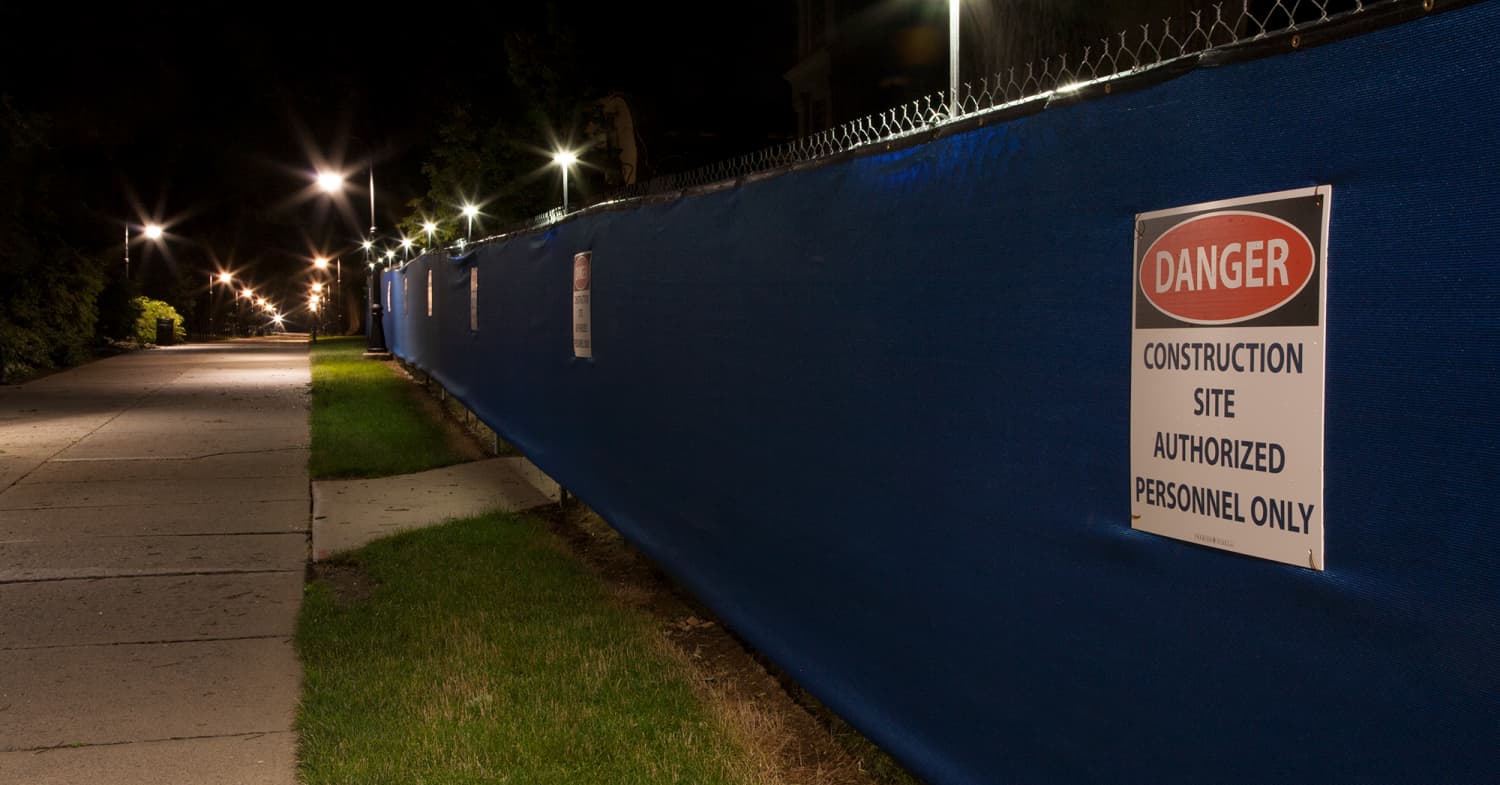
[1127, 53]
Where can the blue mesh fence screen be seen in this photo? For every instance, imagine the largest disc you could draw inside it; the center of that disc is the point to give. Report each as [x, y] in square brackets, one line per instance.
[876, 415]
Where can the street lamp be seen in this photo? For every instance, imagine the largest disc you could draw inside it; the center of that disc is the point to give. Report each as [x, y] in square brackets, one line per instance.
[321, 263]
[565, 159]
[312, 309]
[213, 278]
[151, 231]
[330, 182]
[374, 329]
[245, 295]
[429, 227]
[469, 212]
[406, 247]
[953, 58]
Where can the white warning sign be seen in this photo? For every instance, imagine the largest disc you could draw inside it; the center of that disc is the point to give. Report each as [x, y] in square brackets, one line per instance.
[583, 338]
[1226, 381]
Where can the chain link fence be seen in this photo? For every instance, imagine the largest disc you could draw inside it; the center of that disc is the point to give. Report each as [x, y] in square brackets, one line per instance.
[1128, 53]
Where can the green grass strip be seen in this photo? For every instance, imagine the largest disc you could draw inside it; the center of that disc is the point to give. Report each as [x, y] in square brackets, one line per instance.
[366, 419]
[484, 654]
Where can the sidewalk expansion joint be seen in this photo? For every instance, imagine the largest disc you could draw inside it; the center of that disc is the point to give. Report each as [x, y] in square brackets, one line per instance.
[134, 402]
[167, 642]
[247, 736]
[301, 569]
[108, 459]
[44, 507]
[278, 533]
[136, 505]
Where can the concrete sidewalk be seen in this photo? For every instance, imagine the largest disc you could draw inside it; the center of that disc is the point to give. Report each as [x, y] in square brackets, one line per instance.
[350, 513]
[153, 536]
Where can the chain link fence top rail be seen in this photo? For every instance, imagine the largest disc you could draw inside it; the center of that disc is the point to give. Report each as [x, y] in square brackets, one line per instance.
[1128, 53]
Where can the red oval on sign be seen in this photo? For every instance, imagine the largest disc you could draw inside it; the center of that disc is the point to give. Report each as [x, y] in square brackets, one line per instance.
[1226, 267]
[581, 264]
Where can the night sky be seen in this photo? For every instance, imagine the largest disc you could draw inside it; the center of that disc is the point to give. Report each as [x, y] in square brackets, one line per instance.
[210, 119]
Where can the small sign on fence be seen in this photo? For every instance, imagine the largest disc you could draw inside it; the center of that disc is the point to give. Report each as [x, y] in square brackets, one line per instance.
[583, 339]
[1226, 379]
[474, 298]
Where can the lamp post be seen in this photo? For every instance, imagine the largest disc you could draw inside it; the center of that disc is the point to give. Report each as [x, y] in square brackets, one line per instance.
[246, 295]
[953, 58]
[332, 183]
[429, 227]
[223, 278]
[220, 277]
[321, 263]
[151, 231]
[312, 308]
[565, 159]
[375, 330]
[469, 212]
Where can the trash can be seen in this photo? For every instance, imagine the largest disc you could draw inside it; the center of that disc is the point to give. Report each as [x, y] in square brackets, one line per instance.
[166, 332]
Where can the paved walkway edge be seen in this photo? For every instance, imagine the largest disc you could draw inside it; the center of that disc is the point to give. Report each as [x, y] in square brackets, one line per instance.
[347, 514]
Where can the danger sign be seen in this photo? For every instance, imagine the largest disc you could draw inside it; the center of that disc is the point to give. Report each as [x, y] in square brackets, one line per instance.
[1226, 383]
[583, 336]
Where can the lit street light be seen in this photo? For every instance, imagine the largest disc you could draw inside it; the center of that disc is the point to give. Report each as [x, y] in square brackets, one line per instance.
[213, 278]
[469, 212]
[330, 182]
[333, 183]
[321, 263]
[240, 298]
[566, 160]
[151, 231]
[406, 246]
[429, 227]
